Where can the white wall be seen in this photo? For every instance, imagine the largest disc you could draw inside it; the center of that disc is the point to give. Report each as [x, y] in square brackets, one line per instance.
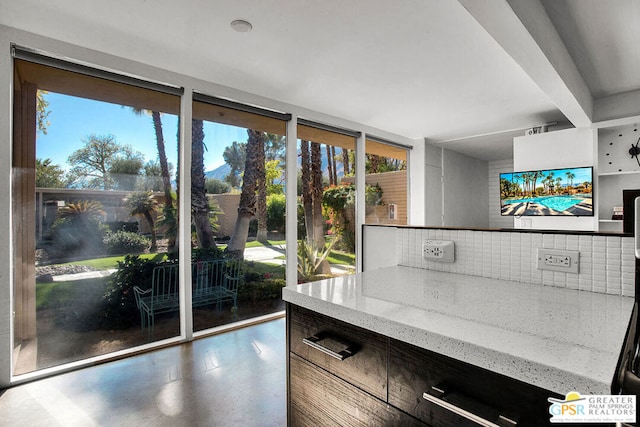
[559, 149]
[433, 185]
[416, 196]
[456, 189]
[465, 190]
[496, 167]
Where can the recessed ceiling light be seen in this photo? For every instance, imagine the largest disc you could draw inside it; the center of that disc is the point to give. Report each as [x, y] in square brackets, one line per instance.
[241, 26]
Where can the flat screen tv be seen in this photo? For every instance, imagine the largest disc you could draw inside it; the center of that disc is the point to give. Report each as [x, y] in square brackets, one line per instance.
[547, 192]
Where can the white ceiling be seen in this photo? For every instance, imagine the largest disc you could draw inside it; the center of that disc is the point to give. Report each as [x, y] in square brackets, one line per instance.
[436, 69]
[603, 38]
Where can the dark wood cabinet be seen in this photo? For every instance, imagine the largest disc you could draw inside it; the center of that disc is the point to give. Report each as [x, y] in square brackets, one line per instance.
[497, 398]
[366, 368]
[382, 381]
[318, 398]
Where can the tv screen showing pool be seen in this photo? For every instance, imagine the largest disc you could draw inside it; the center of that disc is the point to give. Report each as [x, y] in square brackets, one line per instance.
[547, 192]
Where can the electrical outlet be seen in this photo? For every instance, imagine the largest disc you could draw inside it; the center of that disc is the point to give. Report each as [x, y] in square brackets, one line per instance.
[558, 260]
[438, 250]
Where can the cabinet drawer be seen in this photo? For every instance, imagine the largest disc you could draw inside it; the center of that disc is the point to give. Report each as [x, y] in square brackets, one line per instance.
[366, 368]
[414, 371]
[321, 399]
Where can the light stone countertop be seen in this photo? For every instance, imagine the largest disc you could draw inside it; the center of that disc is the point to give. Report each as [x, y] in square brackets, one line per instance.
[559, 339]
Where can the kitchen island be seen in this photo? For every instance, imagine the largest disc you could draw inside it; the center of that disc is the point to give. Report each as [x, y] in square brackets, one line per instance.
[554, 340]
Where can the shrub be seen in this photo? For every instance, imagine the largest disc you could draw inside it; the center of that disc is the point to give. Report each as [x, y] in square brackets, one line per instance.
[264, 292]
[206, 254]
[216, 186]
[125, 242]
[275, 212]
[72, 237]
[130, 226]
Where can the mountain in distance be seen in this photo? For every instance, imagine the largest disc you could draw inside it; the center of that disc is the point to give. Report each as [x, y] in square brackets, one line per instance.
[218, 173]
[222, 171]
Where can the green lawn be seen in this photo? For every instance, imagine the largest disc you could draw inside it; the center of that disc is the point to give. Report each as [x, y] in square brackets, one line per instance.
[339, 257]
[335, 257]
[112, 262]
[79, 292]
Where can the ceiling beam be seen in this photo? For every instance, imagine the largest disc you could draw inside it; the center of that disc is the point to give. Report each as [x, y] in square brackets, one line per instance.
[624, 106]
[523, 29]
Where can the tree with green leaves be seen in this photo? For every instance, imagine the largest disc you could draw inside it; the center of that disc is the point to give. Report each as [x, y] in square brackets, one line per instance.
[274, 177]
[152, 176]
[91, 164]
[144, 203]
[49, 175]
[125, 171]
[235, 156]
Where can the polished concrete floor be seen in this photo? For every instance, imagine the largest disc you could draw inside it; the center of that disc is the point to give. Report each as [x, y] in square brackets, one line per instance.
[232, 379]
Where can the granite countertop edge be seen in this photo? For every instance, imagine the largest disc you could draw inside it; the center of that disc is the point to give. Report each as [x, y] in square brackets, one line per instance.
[537, 370]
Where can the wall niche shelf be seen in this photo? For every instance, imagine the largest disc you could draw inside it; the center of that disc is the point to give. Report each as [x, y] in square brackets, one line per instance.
[616, 171]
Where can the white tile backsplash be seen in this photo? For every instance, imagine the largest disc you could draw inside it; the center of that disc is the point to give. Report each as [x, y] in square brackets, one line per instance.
[607, 263]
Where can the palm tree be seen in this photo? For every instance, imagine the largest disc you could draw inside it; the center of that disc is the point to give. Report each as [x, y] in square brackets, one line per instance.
[345, 162]
[144, 203]
[261, 183]
[534, 178]
[316, 192]
[82, 210]
[525, 183]
[514, 179]
[168, 208]
[570, 177]
[549, 180]
[199, 200]
[247, 206]
[307, 202]
[558, 185]
[329, 167]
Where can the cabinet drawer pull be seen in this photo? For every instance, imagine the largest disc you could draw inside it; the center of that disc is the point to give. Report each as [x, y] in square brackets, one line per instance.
[438, 394]
[315, 342]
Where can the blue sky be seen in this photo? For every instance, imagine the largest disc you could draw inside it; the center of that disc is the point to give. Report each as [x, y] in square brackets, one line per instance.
[72, 119]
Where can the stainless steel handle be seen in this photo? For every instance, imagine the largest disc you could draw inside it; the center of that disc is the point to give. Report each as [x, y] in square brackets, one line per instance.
[438, 394]
[315, 342]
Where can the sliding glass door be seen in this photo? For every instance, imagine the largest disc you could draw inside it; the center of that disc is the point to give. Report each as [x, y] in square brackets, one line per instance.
[94, 208]
[326, 202]
[238, 211]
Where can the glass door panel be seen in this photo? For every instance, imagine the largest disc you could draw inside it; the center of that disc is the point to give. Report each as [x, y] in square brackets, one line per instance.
[326, 204]
[95, 204]
[386, 183]
[238, 206]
